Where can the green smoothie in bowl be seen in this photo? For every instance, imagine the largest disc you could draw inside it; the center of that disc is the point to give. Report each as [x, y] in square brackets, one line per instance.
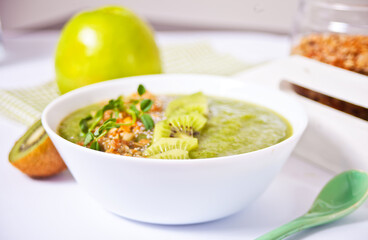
[189, 126]
[194, 148]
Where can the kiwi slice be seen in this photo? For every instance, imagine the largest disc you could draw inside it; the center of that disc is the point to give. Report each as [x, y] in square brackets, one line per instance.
[172, 154]
[167, 144]
[174, 137]
[180, 126]
[162, 130]
[35, 155]
[186, 125]
[196, 102]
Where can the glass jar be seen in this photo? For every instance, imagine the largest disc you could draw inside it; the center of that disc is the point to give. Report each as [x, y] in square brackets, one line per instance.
[334, 32]
[2, 51]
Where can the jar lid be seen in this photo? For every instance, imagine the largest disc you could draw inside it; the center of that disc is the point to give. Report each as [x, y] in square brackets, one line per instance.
[336, 16]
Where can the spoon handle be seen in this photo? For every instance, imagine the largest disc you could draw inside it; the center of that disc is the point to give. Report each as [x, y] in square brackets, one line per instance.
[287, 229]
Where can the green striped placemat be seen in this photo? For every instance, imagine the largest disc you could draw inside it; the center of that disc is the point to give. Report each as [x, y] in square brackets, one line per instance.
[26, 105]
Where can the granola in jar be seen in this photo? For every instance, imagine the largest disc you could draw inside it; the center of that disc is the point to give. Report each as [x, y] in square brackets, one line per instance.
[349, 52]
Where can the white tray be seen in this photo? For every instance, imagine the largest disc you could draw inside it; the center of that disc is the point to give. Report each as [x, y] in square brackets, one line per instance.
[333, 139]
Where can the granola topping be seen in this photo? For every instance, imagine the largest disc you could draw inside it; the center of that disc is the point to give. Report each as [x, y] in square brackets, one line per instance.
[349, 52]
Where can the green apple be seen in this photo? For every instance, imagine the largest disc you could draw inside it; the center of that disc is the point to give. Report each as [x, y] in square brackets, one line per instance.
[106, 43]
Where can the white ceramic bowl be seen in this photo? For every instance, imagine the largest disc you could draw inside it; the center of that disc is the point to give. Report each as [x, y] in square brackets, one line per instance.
[174, 191]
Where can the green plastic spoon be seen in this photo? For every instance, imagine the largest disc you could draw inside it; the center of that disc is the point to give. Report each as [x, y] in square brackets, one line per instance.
[341, 196]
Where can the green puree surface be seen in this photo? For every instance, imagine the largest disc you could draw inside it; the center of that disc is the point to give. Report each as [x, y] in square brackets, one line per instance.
[236, 127]
[69, 127]
[233, 127]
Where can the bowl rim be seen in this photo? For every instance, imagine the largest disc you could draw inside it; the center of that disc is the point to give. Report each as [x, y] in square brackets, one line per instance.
[294, 136]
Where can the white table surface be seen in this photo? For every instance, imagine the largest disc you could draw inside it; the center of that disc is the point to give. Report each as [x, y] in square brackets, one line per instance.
[57, 208]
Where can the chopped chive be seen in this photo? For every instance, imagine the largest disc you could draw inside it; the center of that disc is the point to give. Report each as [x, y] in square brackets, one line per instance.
[88, 139]
[146, 105]
[117, 113]
[133, 114]
[83, 124]
[95, 146]
[141, 89]
[134, 108]
[97, 118]
[147, 121]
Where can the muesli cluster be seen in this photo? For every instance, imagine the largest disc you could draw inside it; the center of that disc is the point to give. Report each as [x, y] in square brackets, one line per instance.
[345, 51]
[123, 126]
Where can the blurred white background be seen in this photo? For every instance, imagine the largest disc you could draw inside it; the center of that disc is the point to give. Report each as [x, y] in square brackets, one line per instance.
[260, 15]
